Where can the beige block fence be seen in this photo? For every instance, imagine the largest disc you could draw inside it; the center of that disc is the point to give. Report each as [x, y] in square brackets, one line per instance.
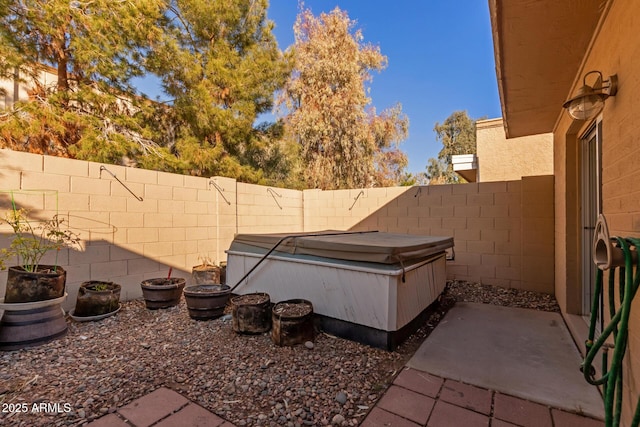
[140, 223]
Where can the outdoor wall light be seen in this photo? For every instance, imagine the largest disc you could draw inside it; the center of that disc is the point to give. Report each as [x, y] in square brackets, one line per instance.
[589, 100]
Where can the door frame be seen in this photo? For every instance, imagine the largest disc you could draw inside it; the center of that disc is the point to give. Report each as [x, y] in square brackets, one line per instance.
[590, 205]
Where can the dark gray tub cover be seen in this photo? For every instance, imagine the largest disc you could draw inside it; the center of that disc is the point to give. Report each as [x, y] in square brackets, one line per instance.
[375, 247]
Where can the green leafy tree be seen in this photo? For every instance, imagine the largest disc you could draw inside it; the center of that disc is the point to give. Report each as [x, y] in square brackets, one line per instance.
[458, 136]
[436, 172]
[343, 144]
[217, 60]
[220, 64]
[94, 49]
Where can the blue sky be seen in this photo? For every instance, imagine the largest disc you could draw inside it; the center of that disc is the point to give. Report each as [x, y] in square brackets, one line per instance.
[440, 60]
[440, 55]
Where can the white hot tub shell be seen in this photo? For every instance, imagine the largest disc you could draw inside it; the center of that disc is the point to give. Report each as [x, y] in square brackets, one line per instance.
[367, 286]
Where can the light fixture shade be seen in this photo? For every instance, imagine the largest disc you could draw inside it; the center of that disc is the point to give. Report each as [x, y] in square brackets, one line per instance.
[586, 104]
[590, 100]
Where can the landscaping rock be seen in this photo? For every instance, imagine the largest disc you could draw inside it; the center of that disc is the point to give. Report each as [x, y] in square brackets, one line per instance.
[245, 379]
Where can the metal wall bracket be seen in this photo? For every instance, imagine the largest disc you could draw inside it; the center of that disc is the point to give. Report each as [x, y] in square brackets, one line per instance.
[361, 193]
[220, 190]
[274, 194]
[102, 168]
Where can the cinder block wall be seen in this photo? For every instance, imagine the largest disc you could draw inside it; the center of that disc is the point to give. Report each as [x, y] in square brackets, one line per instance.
[503, 231]
[124, 239]
[178, 221]
[268, 210]
[343, 209]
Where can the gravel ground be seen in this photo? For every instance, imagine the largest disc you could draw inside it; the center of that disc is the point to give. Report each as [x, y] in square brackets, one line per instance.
[100, 366]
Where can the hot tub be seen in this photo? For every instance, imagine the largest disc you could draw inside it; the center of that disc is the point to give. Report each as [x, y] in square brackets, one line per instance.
[371, 287]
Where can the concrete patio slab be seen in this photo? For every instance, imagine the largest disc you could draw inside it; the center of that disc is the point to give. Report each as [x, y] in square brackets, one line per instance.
[519, 352]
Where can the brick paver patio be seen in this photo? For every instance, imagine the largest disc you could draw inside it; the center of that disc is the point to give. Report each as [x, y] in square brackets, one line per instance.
[414, 399]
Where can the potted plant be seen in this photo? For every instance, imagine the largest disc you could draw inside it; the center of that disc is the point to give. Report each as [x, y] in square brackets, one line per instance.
[206, 273]
[223, 272]
[29, 280]
[162, 292]
[34, 291]
[206, 302]
[292, 322]
[96, 300]
[251, 313]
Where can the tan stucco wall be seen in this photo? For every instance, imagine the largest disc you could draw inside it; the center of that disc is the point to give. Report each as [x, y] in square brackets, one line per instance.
[502, 231]
[16, 90]
[500, 159]
[614, 50]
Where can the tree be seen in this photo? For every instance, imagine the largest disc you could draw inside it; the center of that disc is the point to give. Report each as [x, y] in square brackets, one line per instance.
[436, 172]
[458, 136]
[342, 143]
[95, 49]
[220, 65]
[218, 60]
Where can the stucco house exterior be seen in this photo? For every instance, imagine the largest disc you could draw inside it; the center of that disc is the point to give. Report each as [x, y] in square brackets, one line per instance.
[500, 159]
[543, 52]
[20, 87]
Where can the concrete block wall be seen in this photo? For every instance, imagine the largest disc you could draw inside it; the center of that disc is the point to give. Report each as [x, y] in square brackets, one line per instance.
[225, 215]
[124, 239]
[343, 209]
[179, 220]
[269, 210]
[503, 231]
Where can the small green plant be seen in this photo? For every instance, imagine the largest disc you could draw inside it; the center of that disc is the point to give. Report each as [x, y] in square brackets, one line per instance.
[32, 242]
[99, 287]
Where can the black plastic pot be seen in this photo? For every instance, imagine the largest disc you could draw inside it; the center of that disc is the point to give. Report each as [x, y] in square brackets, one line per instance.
[96, 298]
[292, 322]
[251, 313]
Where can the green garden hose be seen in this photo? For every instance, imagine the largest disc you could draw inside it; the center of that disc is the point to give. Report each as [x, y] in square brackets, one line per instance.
[617, 328]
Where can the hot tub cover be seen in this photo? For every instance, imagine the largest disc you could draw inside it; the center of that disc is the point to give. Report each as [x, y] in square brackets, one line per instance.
[366, 246]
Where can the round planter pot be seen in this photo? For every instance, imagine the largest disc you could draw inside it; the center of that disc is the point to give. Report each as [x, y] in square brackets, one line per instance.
[223, 272]
[292, 322]
[162, 292]
[251, 313]
[29, 324]
[45, 284]
[206, 302]
[206, 274]
[97, 298]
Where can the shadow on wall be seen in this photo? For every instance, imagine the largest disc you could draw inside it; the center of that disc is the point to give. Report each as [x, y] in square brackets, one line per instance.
[503, 231]
[96, 257]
